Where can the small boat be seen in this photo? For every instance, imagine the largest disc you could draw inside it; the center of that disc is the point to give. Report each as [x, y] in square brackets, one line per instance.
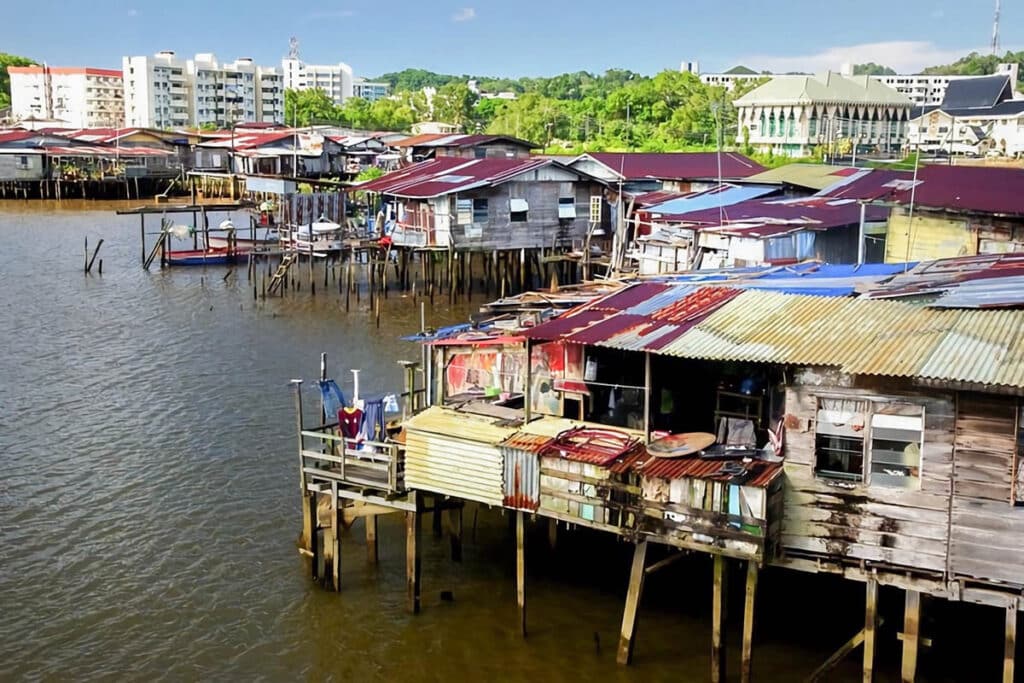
[201, 257]
[322, 237]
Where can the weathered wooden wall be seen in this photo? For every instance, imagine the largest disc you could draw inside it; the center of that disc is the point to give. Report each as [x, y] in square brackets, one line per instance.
[858, 521]
[986, 529]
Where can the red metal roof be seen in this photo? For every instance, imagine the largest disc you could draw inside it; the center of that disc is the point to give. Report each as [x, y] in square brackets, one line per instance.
[677, 165]
[644, 317]
[759, 472]
[65, 70]
[17, 135]
[969, 188]
[868, 185]
[448, 175]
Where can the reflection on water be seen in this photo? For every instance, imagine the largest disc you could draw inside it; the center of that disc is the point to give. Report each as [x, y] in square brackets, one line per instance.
[149, 504]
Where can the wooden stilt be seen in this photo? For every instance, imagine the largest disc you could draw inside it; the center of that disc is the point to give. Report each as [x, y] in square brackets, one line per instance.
[746, 662]
[911, 632]
[412, 557]
[627, 636]
[336, 522]
[870, 624]
[455, 532]
[1010, 646]
[309, 518]
[371, 538]
[552, 533]
[521, 569]
[436, 519]
[718, 619]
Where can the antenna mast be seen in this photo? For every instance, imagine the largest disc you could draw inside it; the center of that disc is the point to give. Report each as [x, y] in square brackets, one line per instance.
[293, 48]
[995, 31]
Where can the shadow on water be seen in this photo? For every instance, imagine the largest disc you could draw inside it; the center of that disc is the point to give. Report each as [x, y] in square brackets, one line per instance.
[149, 507]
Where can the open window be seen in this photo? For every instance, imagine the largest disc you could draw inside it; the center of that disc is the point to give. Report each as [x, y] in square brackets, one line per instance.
[480, 213]
[518, 209]
[897, 434]
[839, 438]
[875, 442]
[567, 207]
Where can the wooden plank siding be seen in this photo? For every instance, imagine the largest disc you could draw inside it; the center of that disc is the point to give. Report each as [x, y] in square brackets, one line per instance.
[858, 521]
[986, 529]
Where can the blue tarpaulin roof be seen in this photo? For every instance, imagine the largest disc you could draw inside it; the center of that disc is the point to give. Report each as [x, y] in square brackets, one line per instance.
[712, 199]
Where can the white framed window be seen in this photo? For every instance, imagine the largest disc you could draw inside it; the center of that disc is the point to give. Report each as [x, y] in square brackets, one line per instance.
[518, 210]
[596, 204]
[873, 441]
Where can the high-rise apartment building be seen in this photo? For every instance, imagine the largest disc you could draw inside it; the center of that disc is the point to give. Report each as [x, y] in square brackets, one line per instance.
[163, 91]
[334, 79]
[81, 97]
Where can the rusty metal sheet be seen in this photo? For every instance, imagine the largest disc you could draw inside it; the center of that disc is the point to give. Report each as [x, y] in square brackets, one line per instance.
[761, 474]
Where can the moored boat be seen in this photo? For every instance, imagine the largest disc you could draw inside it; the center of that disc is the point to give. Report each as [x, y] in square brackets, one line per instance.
[201, 257]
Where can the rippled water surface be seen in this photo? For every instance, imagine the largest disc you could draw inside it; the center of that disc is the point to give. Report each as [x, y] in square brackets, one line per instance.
[149, 503]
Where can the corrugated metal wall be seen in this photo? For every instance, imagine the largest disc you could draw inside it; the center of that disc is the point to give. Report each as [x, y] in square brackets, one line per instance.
[522, 479]
[454, 467]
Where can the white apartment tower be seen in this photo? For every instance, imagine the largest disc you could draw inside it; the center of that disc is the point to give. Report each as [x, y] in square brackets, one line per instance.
[156, 91]
[334, 79]
[164, 92]
[81, 97]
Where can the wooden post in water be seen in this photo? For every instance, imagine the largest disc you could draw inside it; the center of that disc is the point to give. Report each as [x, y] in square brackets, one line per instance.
[627, 636]
[521, 569]
[746, 661]
[336, 522]
[142, 232]
[307, 541]
[911, 633]
[719, 618]
[1010, 644]
[412, 555]
[371, 539]
[870, 624]
[455, 532]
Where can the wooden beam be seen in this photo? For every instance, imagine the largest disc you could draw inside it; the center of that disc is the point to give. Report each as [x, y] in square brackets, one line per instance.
[718, 619]
[661, 564]
[521, 569]
[911, 633]
[371, 539]
[552, 533]
[1010, 645]
[636, 584]
[746, 664]
[870, 624]
[412, 558]
[837, 656]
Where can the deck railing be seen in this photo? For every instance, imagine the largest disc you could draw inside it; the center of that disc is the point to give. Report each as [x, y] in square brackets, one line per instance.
[367, 464]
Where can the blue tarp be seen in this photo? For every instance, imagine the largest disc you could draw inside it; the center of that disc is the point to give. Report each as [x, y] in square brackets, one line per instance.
[711, 199]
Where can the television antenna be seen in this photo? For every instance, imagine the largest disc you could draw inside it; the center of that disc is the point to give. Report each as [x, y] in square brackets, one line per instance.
[293, 48]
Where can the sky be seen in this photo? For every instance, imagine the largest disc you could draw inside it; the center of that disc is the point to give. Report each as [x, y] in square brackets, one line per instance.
[515, 37]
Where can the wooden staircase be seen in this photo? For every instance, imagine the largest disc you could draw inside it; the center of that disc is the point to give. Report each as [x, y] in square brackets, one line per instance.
[281, 273]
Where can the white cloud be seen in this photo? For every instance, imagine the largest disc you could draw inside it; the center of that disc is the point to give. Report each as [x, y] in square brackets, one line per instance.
[133, 13]
[464, 14]
[905, 56]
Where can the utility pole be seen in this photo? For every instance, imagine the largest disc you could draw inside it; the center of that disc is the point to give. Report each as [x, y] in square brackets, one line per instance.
[995, 31]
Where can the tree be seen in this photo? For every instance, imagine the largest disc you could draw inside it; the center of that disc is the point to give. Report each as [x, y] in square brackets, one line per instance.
[306, 107]
[975, 64]
[872, 69]
[7, 60]
[453, 103]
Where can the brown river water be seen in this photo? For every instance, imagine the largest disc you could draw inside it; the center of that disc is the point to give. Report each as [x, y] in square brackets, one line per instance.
[149, 507]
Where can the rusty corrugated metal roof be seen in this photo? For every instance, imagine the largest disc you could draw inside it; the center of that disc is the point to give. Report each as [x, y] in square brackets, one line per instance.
[862, 336]
[530, 443]
[759, 473]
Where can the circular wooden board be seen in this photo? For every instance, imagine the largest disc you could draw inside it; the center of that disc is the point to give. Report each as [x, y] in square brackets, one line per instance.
[680, 445]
